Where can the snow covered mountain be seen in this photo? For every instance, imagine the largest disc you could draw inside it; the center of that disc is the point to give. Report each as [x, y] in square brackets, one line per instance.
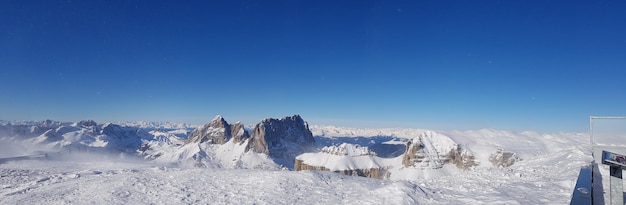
[451, 167]
[218, 131]
[274, 143]
[87, 135]
[428, 153]
[282, 139]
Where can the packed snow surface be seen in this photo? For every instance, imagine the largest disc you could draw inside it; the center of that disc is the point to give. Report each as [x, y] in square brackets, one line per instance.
[543, 180]
[53, 182]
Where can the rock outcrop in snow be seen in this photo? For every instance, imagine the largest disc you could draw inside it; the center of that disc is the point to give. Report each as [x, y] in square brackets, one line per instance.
[433, 150]
[376, 173]
[503, 158]
[462, 158]
[218, 131]
[346, 159]
[282, 138]
[345, 149]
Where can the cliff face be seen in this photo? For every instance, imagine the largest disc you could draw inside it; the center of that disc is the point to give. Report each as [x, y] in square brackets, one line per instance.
[227, 145]
[238, 132]
[462, 158]
[377, 173]
[346, 159]
[413, 154]
[284, 138]
[218, 131]
[433, 150]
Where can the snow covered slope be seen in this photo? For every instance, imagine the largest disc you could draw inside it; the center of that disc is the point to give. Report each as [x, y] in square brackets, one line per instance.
[481, 143]
[108, 182]
[542, 180]
[343, 157]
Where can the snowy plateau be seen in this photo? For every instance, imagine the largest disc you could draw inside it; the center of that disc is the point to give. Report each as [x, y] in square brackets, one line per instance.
[282, 161]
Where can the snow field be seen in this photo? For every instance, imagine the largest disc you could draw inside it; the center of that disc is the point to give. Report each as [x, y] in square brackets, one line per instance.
[52, 182]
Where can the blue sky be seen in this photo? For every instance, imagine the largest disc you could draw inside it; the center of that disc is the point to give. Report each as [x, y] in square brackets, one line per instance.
[517, 65]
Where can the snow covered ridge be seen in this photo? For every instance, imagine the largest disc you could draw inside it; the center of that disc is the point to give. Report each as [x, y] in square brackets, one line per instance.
[162, 125]
[482, 143]
[334, 131]
[348, 150]
[84, 135]
[428, 152]
[278, 142]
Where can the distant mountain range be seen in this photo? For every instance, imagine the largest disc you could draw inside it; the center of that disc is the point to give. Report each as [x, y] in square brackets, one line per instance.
[286, 143]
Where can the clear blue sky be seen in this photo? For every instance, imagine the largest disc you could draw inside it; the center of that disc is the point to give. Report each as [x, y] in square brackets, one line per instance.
[517, 65]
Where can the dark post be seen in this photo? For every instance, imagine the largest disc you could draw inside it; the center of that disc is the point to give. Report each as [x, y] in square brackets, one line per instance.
[617, 196]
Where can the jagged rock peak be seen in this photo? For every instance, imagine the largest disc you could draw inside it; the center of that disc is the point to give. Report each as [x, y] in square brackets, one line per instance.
[283, 138]
[293, 119]
[218, 131]
[87, 123]
[218, 118]
[50, 123]
[218, 122]
[238, 132]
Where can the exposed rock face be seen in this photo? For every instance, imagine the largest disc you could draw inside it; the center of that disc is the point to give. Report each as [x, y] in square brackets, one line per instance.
[462, 158]
[503, 158]
[377, 173]
[218, 131]
[433, 150]
[238, 132]
[412, 154]
[346, 159]
[284, 138]
[345, 149]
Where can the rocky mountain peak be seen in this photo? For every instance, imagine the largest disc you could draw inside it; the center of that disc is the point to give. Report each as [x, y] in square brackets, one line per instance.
[218, 122]
[87, 123]
[238, 132]
[218, 131]
[282, 138]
